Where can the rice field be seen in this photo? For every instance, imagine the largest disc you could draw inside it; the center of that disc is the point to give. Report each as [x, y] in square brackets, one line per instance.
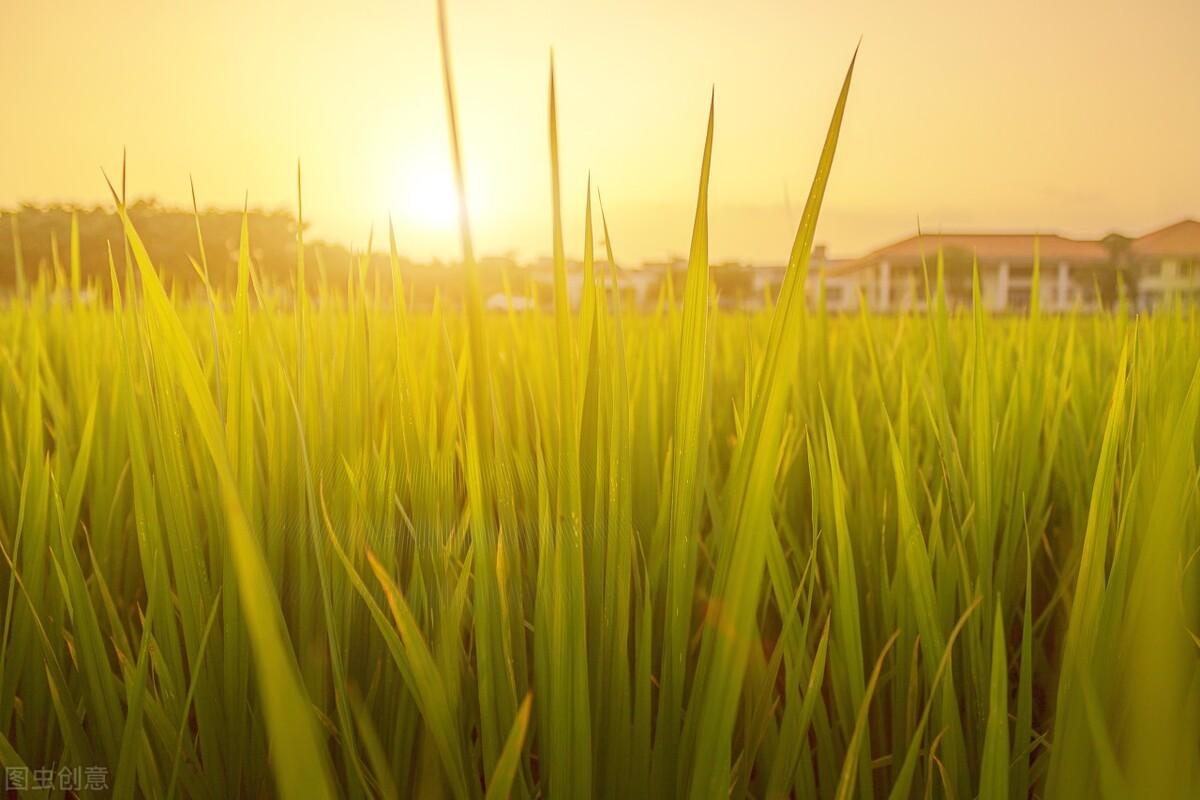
[332, 548]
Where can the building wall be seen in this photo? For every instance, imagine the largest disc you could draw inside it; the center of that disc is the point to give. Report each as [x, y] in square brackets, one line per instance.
[1160, 280]
[1004, 287]
[841, 290]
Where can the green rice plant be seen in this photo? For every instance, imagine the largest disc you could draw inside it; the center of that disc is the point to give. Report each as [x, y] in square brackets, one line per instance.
[335, 547]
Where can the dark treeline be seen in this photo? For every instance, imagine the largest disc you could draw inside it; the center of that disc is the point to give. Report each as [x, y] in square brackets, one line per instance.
[36, 238]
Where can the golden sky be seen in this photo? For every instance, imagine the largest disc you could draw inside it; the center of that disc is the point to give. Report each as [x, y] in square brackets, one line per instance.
[1059, 115]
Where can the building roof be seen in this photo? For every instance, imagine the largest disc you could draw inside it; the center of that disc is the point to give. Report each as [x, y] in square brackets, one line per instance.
[1182, 238]
[988, 247]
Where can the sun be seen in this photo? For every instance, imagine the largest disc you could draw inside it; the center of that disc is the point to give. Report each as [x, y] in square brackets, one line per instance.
[427, 194]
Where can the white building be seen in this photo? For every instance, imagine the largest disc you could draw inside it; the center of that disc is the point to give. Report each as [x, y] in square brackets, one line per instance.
[841, 285]
[1073, 274]
[1167, 264]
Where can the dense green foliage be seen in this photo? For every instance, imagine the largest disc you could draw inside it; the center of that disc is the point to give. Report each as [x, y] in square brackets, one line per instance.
[342, 548]
[972, 560]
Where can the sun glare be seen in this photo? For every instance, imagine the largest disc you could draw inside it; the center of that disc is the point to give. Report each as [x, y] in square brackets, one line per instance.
[427, 194]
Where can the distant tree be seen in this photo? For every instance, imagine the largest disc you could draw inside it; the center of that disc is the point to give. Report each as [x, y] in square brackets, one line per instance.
[1117, 246]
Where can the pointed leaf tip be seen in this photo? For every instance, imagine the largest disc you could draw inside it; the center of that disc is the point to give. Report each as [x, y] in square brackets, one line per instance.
[116, 199]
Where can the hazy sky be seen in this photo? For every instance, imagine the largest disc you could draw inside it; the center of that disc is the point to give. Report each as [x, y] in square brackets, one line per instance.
[1059, 115]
